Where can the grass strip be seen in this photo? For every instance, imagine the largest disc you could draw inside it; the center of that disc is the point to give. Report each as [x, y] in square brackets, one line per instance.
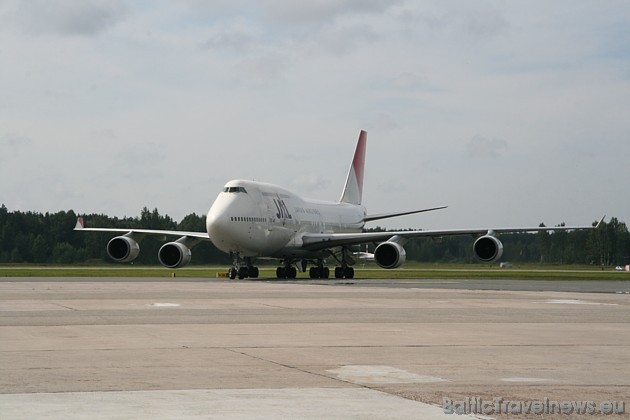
[411, 272]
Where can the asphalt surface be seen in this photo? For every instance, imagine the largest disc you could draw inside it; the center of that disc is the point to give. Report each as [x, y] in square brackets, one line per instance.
[585, 286]
[198, 348]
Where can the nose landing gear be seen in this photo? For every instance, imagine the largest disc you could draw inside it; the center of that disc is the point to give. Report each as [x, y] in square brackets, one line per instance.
[243, 268]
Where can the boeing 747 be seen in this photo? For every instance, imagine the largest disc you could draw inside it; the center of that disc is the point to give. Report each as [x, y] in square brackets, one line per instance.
[251, 220]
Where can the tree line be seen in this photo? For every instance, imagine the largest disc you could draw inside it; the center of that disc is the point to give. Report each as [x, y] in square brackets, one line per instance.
[45, 238]
[607, 245]
[30, 237]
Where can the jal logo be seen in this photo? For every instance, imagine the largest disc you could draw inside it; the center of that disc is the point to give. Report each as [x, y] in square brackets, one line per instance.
[283, 211]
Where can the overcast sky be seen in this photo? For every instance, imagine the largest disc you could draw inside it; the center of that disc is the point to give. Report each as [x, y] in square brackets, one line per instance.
[511, 113]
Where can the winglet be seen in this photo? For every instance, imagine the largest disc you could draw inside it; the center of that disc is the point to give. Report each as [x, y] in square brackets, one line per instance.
[80, 225]
[600, 222]
[353, 190]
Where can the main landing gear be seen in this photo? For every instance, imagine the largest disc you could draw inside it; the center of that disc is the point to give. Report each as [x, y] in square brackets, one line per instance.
[243, 269]
[346, 260]
[321, 272]
[344, 272]
[317, 272]
[288, 268]
[286, 272]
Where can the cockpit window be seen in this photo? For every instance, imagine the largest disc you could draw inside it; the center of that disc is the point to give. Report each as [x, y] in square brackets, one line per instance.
[234, 190]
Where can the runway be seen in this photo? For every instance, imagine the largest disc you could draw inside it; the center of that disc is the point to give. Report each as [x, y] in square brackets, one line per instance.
[592, 286]
[194, 348]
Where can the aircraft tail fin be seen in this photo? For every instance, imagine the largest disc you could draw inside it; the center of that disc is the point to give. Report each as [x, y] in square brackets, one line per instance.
[353, 190]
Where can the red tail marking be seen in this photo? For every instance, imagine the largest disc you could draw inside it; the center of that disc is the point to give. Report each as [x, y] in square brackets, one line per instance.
[358, 163]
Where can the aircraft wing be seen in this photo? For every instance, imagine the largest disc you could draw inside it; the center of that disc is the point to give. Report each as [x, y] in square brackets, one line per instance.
[329, 240]
[151, 232]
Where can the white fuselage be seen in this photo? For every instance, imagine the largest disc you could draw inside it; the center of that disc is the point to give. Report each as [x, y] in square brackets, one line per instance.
[255, 219]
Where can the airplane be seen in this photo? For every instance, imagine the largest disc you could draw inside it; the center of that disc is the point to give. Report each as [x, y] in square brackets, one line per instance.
[250, 220]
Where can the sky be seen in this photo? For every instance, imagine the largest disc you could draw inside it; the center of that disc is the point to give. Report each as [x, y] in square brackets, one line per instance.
[512, 113]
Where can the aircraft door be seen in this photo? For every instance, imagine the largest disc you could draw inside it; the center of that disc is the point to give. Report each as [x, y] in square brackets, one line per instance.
[270, 211]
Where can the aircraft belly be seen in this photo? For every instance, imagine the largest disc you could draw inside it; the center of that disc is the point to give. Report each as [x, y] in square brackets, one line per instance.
[293, 252]
[274, 239]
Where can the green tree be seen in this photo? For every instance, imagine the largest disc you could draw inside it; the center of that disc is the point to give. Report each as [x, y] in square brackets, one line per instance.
[192, 223]
[35, 237]
[544, 245]
[64, 253]
[41, 250]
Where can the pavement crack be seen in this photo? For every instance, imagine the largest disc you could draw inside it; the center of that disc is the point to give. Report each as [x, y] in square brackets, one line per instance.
[64, 306]
[287, 366]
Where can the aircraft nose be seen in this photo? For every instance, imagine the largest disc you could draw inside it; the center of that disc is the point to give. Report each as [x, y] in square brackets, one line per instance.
[217, 222]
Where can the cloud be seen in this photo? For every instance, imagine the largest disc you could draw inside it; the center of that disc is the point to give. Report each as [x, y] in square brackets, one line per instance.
[483, 23]
[69, 17]
[261, 69]
[322, 10]
[410, 82]
[13, 141]
[12, 145]
[468, 22]
[481, 147]
[309, 182]
[143, 162]
[336, 27]
[237, 35]
[345, 37]
[225, 89]
[382, 122]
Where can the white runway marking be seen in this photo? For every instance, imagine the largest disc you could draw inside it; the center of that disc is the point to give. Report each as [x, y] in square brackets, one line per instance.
[164, 305]
[367, 374]
[577, 302]
[291, 403]
[519, 379]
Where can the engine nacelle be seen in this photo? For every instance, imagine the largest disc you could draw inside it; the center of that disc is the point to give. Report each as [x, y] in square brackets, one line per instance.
[390, 255]
[488, 248]
[174, 255]
[123, 249]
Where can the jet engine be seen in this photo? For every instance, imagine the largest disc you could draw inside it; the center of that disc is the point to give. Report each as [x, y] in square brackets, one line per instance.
[390, 255]
[123, 249]
[174, 255]
[488, 248]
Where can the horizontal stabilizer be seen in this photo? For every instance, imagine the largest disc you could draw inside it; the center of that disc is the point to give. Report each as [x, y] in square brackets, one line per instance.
[371, 217]
[600, 222]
